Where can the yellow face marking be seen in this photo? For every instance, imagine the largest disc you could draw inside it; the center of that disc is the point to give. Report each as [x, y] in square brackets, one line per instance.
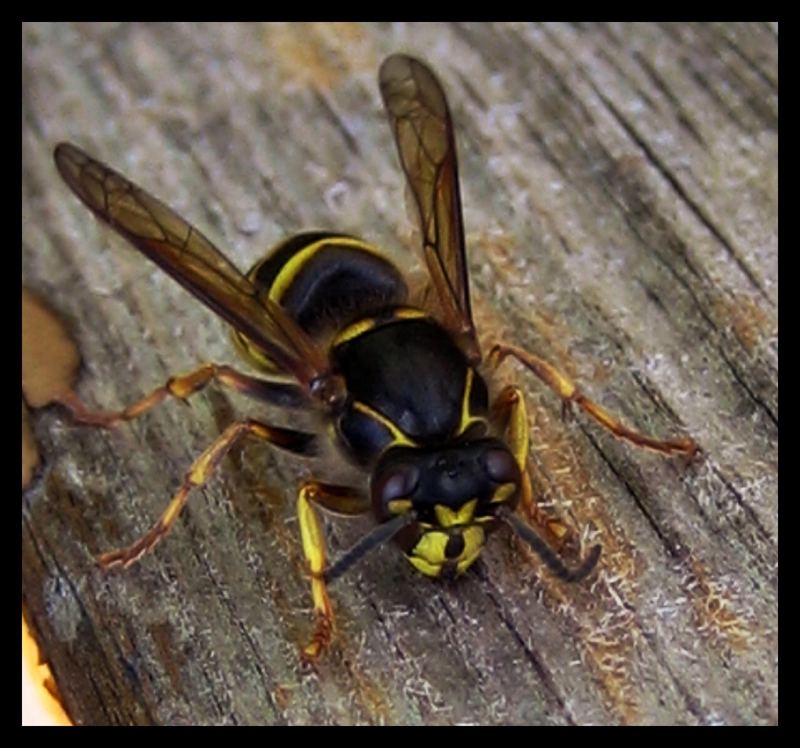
[398, 506]
[429, 554]
[431, 547]
[474, 539]
[447, 517]
[503, 492]
[288, 272]
[398, 437]
[425, 567]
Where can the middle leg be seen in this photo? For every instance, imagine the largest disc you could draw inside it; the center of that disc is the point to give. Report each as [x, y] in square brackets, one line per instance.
[275, 392]
[201, 470]
[510, 412]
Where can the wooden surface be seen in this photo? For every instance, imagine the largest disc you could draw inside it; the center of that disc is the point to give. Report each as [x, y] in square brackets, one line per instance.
[620, 191]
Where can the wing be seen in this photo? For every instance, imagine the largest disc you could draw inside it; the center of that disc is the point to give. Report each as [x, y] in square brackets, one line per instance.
[192, 260]
[423, 131]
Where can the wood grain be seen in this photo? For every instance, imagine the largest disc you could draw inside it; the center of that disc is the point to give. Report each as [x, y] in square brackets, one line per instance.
[620, 192]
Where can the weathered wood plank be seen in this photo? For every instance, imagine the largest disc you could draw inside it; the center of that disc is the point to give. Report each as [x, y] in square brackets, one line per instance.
[620, 190]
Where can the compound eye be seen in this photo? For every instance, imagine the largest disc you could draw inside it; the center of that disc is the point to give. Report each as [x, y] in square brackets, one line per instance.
[395, 486]
[501, 466]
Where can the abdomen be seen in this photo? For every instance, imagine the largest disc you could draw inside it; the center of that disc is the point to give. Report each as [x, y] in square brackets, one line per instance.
[324, 281]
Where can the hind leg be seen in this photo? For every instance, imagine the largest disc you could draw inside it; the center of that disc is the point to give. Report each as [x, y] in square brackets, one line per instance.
[569, 393]
[281, 394]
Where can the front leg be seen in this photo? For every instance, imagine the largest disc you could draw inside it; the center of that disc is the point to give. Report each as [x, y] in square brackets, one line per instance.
[341, 500]
[335, 498]
[509, 410]
[511, 415]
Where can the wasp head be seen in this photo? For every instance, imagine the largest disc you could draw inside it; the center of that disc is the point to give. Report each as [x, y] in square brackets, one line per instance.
[454, 492]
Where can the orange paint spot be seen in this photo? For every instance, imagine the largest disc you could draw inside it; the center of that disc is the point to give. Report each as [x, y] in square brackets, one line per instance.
[50, 359]
[41, 704]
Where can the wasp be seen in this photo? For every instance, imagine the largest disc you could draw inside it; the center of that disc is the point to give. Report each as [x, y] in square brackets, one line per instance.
[399, 388]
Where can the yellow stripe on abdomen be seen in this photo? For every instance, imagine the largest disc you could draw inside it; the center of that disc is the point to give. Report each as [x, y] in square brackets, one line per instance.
[294, 264]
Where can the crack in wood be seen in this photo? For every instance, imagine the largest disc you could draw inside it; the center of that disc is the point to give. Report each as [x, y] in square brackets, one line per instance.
[681, 192]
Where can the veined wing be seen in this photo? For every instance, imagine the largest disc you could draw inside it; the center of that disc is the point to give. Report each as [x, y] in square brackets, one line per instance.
[423, 131]
[191, 259]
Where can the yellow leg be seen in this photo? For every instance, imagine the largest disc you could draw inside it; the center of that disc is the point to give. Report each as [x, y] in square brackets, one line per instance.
[568, 391]
[510, 411]
[182, 387]
[199, 473]
[313, 538]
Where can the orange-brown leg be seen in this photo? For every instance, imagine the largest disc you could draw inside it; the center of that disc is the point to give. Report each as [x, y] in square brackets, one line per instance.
[182, 387]
[199, 473]
[569, 392]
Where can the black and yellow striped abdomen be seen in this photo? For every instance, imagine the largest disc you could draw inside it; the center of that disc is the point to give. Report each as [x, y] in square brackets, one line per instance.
[325, 281]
